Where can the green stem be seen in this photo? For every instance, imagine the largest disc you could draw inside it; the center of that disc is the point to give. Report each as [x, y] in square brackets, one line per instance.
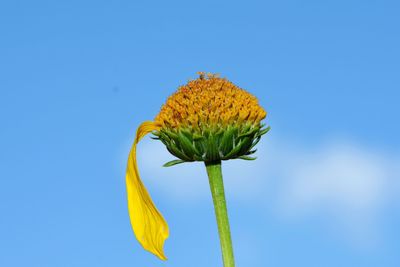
[221, 212]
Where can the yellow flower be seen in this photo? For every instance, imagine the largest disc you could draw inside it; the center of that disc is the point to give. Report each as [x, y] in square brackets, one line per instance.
[209, 119]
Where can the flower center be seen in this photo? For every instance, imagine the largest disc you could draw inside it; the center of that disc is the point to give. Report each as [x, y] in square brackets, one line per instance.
[209, 101]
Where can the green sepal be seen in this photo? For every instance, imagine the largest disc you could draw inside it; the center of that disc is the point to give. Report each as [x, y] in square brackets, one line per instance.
[255, 141]
[173, 162]
[234, 151]
[250, 132]
[251, 152]
[226, 144]
[212, 152]
[186, 133]
[201, 146]
[246, 128]
[177, 152]
[197, 136]
[264, 131]
[171, 135]
[247, 158]
[187, 144]
[213, 143]
[245, 145]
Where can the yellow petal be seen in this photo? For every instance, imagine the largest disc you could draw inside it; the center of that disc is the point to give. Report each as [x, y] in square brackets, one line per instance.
[149, 226]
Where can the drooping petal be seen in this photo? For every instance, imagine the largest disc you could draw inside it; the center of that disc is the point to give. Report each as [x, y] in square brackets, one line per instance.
[149, 226]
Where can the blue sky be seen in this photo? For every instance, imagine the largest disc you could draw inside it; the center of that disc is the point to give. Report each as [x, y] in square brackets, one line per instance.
[78, 77]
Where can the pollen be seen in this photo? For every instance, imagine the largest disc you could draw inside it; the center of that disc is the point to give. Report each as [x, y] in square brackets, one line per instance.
[209, 101]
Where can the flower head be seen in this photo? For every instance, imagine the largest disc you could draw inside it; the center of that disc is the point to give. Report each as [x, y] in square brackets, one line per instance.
[209, 119]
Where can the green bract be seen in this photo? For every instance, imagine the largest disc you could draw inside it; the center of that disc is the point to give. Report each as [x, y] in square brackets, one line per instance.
[211, 144]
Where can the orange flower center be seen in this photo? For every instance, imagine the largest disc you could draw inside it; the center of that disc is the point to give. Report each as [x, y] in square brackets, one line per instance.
[208, 101]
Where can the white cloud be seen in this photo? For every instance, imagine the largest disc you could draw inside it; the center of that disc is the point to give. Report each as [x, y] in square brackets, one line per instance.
[345, 182]
[338, 174]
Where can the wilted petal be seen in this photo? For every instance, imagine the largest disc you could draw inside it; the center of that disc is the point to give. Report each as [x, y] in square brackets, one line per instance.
[149, 226]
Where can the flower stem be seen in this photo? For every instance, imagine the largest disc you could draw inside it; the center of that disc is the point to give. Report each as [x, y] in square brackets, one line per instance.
[221, 212]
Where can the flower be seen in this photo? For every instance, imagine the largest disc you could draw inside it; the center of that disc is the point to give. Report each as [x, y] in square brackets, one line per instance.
[209, 119]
